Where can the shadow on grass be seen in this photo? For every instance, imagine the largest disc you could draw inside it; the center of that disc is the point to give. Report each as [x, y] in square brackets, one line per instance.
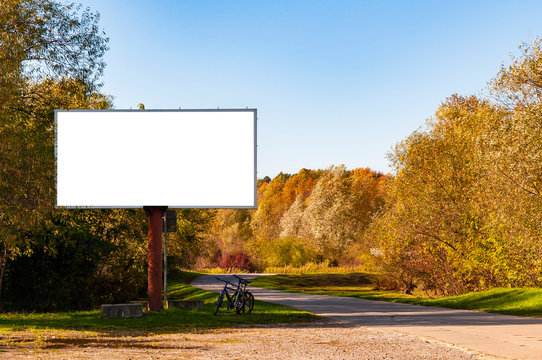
[171, 320]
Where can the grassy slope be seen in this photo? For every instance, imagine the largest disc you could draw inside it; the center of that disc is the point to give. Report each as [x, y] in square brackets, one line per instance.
[167, 320]
[520, 301]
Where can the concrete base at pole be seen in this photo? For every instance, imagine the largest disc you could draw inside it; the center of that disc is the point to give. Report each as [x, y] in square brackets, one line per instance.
[155, 214]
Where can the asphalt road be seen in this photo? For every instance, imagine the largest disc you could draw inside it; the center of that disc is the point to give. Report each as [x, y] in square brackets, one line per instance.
[493, 335]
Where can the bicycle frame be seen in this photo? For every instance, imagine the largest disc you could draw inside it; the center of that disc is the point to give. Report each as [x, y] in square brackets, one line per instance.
[224, 292]
[238, 299]
[244, 296]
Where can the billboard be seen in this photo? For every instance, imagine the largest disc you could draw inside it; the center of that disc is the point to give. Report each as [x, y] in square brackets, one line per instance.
[174, 158]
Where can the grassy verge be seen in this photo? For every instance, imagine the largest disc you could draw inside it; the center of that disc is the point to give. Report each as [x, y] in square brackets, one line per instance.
[517, 301]
[167, 320]
[311, 268]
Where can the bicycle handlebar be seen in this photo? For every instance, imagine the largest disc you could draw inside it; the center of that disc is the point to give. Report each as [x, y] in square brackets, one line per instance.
[241, 279]
[227, 282]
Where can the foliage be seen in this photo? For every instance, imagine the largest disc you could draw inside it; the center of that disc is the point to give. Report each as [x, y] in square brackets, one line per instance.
[465, 211]
[313, 268]
[285, 251]
[520, 84]
[461, 213]
[313, 216]
[239, 261]
[31, 234]
[185, 245]
[167, 320]
[79, 258]
[43, 39]
[340, 208]
[51, 57]
[265, 221]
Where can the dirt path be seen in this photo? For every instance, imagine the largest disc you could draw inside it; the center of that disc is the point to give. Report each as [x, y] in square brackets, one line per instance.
[502, 336]
[317, 341]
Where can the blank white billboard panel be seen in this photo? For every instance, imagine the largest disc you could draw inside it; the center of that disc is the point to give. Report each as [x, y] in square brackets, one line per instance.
[132, 158]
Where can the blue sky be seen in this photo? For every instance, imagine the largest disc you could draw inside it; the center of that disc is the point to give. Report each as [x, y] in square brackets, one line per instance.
[334, 82]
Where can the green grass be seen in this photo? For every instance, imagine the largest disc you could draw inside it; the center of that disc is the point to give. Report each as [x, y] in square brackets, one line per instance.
[173, 319]
[513, 301]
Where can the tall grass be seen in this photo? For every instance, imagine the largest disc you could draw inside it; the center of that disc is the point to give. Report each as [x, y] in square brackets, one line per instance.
[313, 268]
[218, 270]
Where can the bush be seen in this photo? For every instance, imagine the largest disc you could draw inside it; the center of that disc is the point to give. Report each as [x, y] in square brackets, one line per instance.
[287, 251]
[74, 260]
[238, 260]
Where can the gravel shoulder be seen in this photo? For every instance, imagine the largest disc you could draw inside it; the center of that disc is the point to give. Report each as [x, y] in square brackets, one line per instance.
[324, 340]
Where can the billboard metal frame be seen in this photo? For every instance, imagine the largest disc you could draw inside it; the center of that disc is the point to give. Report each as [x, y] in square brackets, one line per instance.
[255, 190]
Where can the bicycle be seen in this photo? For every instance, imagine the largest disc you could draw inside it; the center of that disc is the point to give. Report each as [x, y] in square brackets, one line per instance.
[224, 293]
[241, 300]
[246, 303]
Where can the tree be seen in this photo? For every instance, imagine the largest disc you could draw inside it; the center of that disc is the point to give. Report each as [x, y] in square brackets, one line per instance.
[266, 219]
[340, 208]
[466, 211]
[27, 179]
[295, 194]
[520, 84]
[189, 242]
[50, 57]
[291, 223]
[440, 192]
[42, 39]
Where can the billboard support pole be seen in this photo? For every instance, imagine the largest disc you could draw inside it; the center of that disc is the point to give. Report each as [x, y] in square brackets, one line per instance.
[165, 262]
[154, 287]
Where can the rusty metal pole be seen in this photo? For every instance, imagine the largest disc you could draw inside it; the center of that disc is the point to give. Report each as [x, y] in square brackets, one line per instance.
[155, 214]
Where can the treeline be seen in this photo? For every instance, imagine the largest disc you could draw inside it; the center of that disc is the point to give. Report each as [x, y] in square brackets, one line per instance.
[462, 212]
[465, 211]
[51, 57]
[309, 217]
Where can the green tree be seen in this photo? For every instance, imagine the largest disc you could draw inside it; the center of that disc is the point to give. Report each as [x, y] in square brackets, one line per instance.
[189, 243]
[51, 56]
[42, 39]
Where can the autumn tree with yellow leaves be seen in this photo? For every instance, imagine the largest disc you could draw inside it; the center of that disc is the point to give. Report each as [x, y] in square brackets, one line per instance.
[466, 211]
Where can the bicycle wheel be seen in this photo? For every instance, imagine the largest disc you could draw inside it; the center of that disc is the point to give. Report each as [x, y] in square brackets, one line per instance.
[249, 303]
[219, 302]
[239, 302]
